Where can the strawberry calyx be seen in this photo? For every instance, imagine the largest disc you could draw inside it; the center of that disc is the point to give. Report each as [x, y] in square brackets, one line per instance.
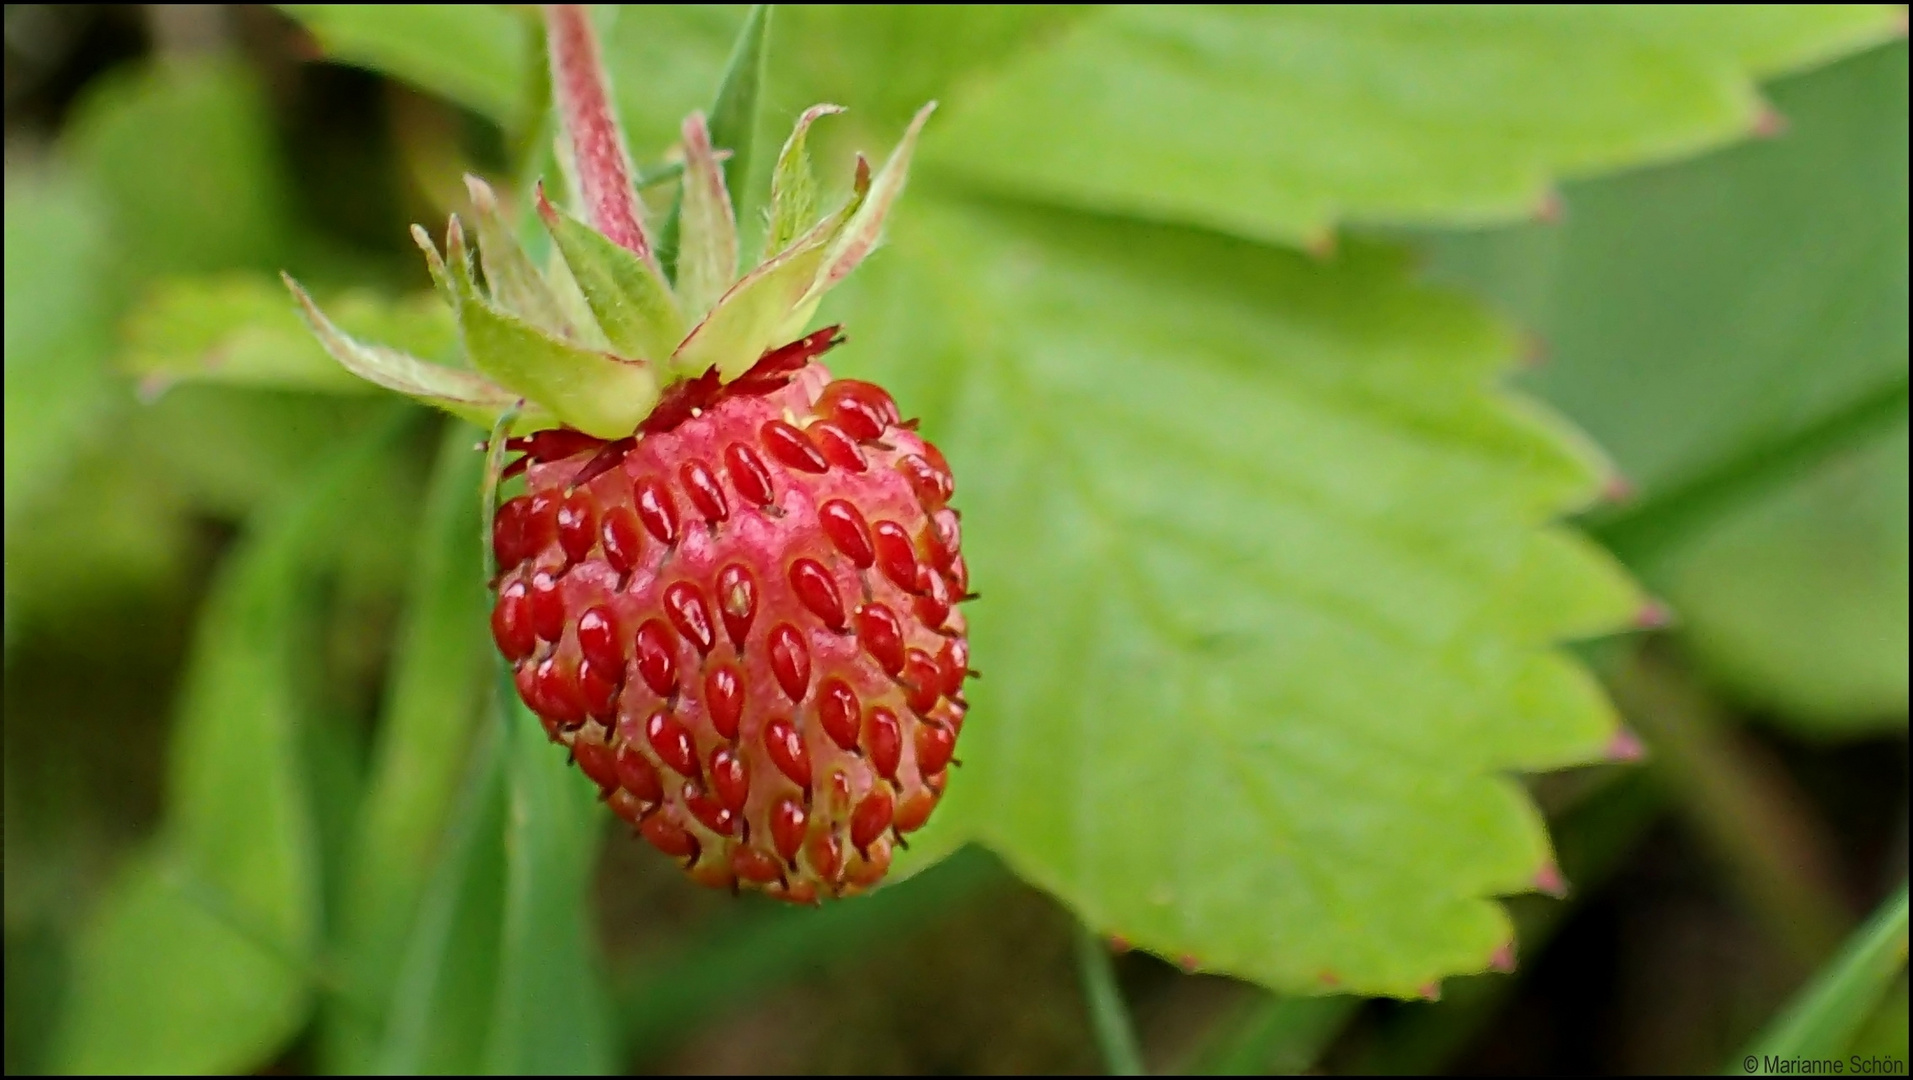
[601, 339]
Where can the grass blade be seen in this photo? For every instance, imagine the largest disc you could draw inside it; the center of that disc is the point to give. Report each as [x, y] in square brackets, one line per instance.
[733, 125]
[432, 702]
[1281, 1035]
[769, 944]
[1108, 1015]
[1821, 1020]
[444, 994]
[551, 1015]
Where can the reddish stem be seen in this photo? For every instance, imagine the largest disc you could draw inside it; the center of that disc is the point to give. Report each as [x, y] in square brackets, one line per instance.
[584, 104]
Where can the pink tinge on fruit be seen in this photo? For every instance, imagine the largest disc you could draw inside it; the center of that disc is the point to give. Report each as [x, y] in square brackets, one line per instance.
[746, 625]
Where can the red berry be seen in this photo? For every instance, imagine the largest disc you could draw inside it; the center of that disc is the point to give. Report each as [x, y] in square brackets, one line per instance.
[754, 866]
[724, 698]
[935, 744]
[596, 760]
[547, 606]
[837, 709]
[895, 554]
[748, 474]
[638, 776]
[862, 409]
[672, 743]
[688, 613]
[704, 491]
[786, 749]
[656, 662]
[790, 661]
[885, 738]
[814, 587]
[872, 817]
[511, 623]
[737, 598]
[656, 510]
[769, 689]
[787, 827]
[848, 531]
[730, 778]
[669, 837]
[577, 526]
[790, 446]
[838, 448]
[508, 533]
[623, 539]
[882, 635]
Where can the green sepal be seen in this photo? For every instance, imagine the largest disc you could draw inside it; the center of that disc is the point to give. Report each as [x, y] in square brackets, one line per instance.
[461, 393]
[514, 280]
[435, 263]
[755, 314]
[793, 185]
[633, 305]
[596, 393]
[707, 244]
[865, 227]
[733, 126]
[234, 327]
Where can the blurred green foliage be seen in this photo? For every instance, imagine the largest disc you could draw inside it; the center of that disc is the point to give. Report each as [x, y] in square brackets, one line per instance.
[1256, 670]
[1764, 291]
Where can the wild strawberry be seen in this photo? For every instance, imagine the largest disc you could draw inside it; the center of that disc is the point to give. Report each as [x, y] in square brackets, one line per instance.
[723, 617]
[730, 584]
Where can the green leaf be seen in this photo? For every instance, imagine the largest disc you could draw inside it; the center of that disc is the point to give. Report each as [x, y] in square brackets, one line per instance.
[1799, 599]
[595, 392]
[627, 294]
[479, 56]
[237, 328]
[431, 704]
[552, 1014]
[1312, 116]
[183, 159]
[1755, 392]
[793, 184]
[1257, 673]
[60, 302]
[886, 60]
[168, 978]
[1822, 1019]
[707, 256]
[199, 959]
[460, 393]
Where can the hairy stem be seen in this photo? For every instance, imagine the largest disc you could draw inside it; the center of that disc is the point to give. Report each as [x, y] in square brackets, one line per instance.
[584, 103]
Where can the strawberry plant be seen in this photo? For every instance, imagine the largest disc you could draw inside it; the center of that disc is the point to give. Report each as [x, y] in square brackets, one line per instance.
[1286, 630]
